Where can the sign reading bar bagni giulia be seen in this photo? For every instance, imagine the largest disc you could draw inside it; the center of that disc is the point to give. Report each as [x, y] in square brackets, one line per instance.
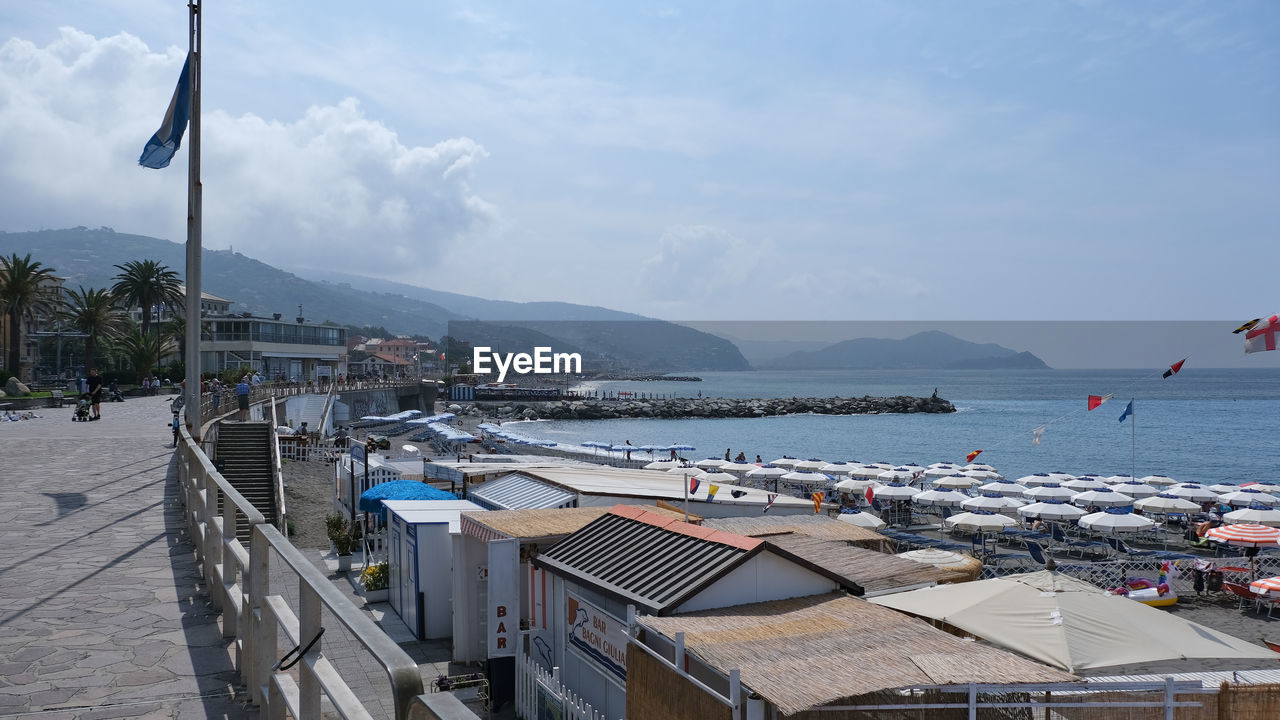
[599, 635]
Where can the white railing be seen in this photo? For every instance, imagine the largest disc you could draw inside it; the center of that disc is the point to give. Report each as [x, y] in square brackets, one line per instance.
[256, 615]
[304, 452]
[277, 471]
[540, 693]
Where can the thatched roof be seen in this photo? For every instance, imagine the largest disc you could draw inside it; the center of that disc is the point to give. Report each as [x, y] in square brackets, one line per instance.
[812, 651]
[547, 522]
[817, 526]
[872, 570]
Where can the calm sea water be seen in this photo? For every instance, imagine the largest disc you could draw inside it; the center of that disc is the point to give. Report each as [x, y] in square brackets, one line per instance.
[1200, 425]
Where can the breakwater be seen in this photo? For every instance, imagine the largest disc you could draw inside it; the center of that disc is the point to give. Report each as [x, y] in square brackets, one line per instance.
[595, 409]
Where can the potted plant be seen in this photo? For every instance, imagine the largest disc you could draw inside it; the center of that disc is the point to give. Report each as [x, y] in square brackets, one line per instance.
[374, 581]
[341, 539]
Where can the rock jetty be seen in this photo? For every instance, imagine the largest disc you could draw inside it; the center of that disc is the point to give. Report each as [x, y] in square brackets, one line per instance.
[598, 409]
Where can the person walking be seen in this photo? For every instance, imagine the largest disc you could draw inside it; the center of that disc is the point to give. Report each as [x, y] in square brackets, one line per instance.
[242, 397]
[94, 388]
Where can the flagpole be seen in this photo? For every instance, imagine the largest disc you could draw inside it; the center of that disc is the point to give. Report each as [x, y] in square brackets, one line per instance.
[194, 235]
[686, 496]
[1133, 442]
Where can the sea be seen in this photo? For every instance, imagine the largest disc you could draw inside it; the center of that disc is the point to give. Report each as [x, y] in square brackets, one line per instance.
[1200, 425]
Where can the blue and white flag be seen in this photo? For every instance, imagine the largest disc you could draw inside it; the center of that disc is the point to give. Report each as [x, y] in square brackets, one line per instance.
[1128, 410]
[162, 146]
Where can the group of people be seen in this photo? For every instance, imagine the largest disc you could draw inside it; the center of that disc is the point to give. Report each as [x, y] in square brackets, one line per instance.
[15, 416]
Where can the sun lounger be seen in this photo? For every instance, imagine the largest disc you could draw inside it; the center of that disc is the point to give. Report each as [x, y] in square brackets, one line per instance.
[1083, 547]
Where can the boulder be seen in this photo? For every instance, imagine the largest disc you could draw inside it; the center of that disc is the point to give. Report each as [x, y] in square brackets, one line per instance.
[13, 388]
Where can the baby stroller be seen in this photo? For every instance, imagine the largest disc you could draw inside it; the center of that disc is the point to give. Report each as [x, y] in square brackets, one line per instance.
[83, 406]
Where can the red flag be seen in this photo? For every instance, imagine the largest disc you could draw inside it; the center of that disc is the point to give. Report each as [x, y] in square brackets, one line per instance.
[871, 496]
[1096, 400]
[693, 485]
[973, 455]
[817, 503]
[1174, 368]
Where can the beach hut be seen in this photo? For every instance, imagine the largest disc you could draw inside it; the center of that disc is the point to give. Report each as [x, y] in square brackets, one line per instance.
[420, 561]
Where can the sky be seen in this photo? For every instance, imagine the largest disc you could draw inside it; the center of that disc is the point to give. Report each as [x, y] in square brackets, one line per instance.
[690, 161]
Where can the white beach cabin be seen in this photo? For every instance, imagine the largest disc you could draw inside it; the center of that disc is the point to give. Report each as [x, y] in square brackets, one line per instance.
[420, 560]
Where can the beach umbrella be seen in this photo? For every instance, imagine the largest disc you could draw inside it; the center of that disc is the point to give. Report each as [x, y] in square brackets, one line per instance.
[980, 466]
[1194, 493]
[1164, 503]
[1052, 491]
[738, 468]
[720, 478]
[679, 448]
[836, 468]
[662, 465]
[1224, 488]
[937, 498]
[806, 478]
[942, 465]
[1051, 510]
[980, 475]
[1245, 535]
[895, 491]
[786, 461]
[1269, 587]
[895, 475]
[861, 519]
[1061, 477]
[711, 463]
[1113, 521]
[1102, 497]
[1256, 515]
[1245, 497]
[620, 448]
[993, 502]
[980, 521]
[1135, 489]
[689, 470]
[1117, 479]
[956, 482]
[1263, 486]
[652, 448]
[810, 465]
[866, 471]
[1085, 483]
[854, 486]
[938, 470]
[1003, 487]
[371, 499]
[1036, 480]
[767, 472]
[1164, 480]
[916, 469]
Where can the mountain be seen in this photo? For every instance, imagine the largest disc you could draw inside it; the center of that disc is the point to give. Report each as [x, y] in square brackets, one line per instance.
[930, 350]
[86, 257]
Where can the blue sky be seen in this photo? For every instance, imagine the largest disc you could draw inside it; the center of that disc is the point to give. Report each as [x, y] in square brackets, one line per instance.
[732, 160]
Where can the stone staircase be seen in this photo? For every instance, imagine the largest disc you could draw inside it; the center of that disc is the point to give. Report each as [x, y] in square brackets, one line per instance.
[244, 459]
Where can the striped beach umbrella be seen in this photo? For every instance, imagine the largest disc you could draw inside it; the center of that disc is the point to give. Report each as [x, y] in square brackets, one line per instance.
[1245, 535]
[1269, 586]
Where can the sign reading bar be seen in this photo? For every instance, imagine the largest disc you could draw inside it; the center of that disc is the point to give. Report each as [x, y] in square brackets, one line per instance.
[504, 597]
[599, 635]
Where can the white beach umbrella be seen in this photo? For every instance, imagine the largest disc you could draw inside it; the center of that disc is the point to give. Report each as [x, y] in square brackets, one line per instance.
[956, 482]
[1224, 488]
[914, 467]
[940, 498]
[896, 491]
[1256, 515]
[1051, 510]
[854, 486]
[767, 472]
[1004, 487]
[1135, 489]
[1164, 504]
[980, 466]
[992, 502]
[689, 470]
[1117, 478]
[719, 478]
[785, 462]
[866, 471]
[837, 468]
[1085, 483]
[933, 466]
[980, 521]
[710, 463]
[1036, 480]
[806, 478]
[861, 519]
[1163, 480]
[1049, 492]
[1061, 477]
[810, 465]
[981, 475]
[1113, 522]
[663, 465]
[940, 470]
[1194, 493]
[1269, 487]
[1102, 497]
[737, 468]
[1244, 497]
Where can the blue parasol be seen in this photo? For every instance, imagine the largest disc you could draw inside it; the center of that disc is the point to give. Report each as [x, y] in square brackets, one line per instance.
[371, 499]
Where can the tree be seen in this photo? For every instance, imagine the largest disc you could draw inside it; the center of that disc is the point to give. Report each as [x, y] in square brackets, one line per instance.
[147, 284]
[144, 350]
[176, 330]
[25, 291]
[95, 313]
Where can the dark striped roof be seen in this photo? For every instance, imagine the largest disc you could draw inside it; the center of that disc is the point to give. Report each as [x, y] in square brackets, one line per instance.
[647, 558]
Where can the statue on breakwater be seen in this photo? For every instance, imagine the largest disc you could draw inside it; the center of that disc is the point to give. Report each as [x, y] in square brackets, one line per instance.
[599, 409]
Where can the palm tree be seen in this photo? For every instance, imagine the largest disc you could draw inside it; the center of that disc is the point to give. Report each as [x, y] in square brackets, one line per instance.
[175, 329]
[25, 291]
[144, 349]
[95, 313]
[147, 284]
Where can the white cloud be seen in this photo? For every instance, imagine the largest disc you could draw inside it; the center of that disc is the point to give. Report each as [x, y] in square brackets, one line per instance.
[332, 183]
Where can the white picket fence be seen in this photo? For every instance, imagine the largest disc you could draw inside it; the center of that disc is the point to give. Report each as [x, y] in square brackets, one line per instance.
[541, 696]
[304, 453]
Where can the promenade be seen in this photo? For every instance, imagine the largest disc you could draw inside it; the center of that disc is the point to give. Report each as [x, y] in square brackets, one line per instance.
[103, 612]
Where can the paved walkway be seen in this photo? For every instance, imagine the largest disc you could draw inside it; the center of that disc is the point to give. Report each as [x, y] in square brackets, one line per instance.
[103, 612]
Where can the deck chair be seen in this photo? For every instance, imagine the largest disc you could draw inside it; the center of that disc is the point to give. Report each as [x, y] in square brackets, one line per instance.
[1242, 592]
[1118, 545]
[1036, 552]
[1081, 546]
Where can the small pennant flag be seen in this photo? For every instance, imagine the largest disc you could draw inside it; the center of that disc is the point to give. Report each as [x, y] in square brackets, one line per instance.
[1096, 400]
[693, 485]
[973, 455]
[1174, 368]
[769, 503]
[870, 495]
[1036, 434]
[1247, 326]
[737, 493]
[1128, 410]
[1262, 336]
[817, 503]
[711, 492]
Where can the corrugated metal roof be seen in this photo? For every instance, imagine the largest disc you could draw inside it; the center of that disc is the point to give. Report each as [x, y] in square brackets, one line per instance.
[647, 558]
[520, 492]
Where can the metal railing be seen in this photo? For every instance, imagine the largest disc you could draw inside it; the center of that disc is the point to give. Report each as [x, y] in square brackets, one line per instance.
[277, 484]
[240, 581]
